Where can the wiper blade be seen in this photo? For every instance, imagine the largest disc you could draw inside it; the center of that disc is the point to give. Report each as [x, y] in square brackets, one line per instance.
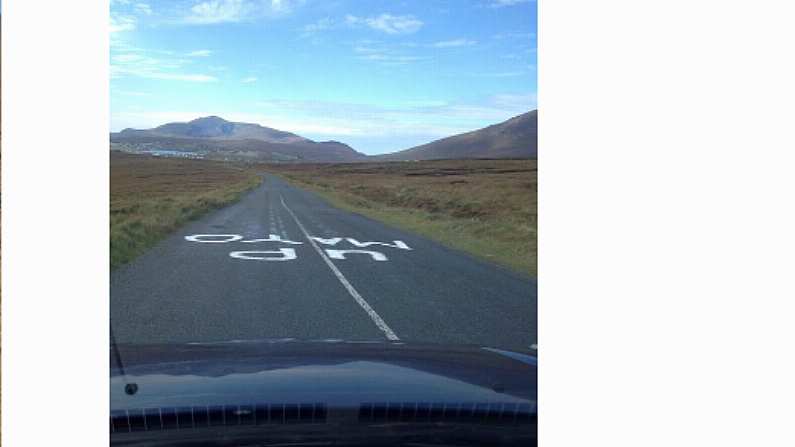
[129, 387]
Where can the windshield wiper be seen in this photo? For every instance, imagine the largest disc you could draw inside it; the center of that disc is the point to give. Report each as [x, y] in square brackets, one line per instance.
[129, 387]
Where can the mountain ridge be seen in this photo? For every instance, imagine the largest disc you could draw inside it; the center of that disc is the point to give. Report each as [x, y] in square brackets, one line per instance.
[516, 137]
[217, 128]
[217, 138]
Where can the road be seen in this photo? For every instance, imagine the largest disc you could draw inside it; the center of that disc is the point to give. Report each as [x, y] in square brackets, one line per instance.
[277, 264]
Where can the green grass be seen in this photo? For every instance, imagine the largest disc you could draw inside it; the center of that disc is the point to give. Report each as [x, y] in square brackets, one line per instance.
[484, 207]
[152, 197]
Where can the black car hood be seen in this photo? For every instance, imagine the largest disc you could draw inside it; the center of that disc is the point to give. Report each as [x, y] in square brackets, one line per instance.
[337, 372]
[361, 384]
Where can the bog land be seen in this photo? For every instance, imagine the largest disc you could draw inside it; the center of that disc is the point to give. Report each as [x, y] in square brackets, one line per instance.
[487, 208]
[151, 197]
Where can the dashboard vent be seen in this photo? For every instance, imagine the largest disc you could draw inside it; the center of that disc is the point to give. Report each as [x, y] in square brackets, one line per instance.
[186, 418]
[467, 412]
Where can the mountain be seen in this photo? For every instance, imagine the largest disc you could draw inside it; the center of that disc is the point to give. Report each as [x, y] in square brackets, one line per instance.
[217, 128]
[515, 138]
[216, 138]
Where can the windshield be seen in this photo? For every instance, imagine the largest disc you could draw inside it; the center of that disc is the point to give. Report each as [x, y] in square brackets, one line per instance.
[307, 197]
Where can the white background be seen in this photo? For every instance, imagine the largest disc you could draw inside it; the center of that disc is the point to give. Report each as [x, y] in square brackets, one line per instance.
[667, 212]
[55, 333]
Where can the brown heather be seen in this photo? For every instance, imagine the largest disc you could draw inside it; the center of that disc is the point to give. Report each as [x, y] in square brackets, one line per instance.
[487, 208]
[151, 197]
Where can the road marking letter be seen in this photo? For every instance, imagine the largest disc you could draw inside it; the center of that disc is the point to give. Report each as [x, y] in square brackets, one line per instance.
[284, 254]
[397, 244]
[340, 254]
[272, 238]
[207, 238]
[355, 242]
[324, 241]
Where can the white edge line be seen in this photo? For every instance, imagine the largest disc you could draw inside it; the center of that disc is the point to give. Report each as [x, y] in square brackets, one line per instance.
[356, 296]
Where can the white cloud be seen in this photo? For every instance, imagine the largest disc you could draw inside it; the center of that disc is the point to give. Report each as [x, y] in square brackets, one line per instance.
[384, 55]
[454, 43]
[284, 6]
[154, 74]
[387, 23]
[249, 80]
[217, 11]
[224, 11]
[121, 23]
[390, 59]
[199, 53]
[135, 62]
[143, 8]
[321, 25]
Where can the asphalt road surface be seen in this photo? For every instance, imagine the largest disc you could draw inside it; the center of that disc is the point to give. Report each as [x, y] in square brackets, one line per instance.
[284, 263]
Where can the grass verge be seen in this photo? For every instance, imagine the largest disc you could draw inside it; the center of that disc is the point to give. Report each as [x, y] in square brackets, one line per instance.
[487, 208]
[151, 197]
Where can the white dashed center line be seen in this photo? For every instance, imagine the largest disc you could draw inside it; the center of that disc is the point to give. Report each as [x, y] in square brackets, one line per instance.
[348, 286]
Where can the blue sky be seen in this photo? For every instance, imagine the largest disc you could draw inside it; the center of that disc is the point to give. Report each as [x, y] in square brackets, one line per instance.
[378, 75]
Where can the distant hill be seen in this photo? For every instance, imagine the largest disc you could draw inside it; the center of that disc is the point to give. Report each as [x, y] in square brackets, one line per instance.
[515, 138]
[216, 138]
[217, 128]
